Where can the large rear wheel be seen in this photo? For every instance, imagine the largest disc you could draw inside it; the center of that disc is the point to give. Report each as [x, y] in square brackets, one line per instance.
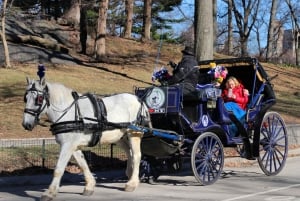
[273, 144]
[207, 158]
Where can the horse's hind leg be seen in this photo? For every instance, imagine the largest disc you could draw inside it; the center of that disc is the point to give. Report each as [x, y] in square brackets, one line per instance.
[89, 178]
[64, 156]
[135, 145]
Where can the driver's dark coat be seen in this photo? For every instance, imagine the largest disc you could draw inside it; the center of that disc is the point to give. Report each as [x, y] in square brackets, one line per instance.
[186, 71]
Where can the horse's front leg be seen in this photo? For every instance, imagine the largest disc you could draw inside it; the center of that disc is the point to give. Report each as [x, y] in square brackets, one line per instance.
[89, 178]
[65, 154]
[123, 143]
[135, 145]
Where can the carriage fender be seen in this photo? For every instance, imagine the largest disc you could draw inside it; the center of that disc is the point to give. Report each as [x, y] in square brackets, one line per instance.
[218, 131]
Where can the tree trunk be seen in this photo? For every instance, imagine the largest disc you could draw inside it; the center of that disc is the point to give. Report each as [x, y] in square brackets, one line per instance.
[215, 23]
[297, 48]
[204, 38]
[147, 21]
[230, 29]
[83, 29]
[129, 16]
[245, 13]
[296, 30]
[101, 30]
[3, 37]
[244, 46]
[271, 41]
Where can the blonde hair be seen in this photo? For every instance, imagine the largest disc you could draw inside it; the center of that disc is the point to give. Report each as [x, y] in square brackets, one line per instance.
[235, 81]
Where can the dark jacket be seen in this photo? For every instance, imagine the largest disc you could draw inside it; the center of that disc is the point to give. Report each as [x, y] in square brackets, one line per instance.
[186, 71]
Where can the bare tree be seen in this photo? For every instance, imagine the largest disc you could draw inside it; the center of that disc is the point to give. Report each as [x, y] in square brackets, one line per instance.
[3, 37]
[129, 16]
[296, 29]
[147, 20]
[245, 13]
[271, 30]
[215, 23]
[230, 29]
[204, 33]
[256, 29]
[83, 28]
[101, 30]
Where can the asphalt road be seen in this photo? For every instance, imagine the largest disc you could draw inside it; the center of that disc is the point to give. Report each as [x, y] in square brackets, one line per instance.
[247, 184]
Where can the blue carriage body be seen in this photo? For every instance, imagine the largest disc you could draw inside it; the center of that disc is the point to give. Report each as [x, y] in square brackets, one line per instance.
[170, 111]
[180, 122]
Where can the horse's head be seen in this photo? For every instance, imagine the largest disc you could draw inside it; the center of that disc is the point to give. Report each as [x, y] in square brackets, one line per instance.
[36, 100]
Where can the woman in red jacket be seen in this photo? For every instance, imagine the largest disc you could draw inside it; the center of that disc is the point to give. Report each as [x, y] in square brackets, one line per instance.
[235, 92]
[235, 99]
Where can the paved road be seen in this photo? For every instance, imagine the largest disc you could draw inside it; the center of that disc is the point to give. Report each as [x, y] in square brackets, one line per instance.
[247, 184]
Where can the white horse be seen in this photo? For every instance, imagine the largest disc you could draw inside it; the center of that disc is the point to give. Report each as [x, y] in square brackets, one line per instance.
[80, 120]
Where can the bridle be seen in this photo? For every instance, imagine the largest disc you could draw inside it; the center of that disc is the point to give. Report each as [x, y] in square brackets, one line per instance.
[42, 96]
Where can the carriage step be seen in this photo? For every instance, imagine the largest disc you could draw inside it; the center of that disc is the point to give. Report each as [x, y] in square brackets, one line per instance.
[237, 140]
[167, 134]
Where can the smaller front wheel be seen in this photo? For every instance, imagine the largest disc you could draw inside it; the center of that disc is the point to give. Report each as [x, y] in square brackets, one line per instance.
[207, 158]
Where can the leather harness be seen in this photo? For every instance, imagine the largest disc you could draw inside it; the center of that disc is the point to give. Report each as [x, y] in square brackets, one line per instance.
[78, 125]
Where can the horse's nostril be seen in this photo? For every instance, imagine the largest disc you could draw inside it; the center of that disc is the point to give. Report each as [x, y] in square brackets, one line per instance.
[27, 126]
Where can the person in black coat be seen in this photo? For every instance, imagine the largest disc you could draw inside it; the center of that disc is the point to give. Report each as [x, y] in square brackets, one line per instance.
[186, 72]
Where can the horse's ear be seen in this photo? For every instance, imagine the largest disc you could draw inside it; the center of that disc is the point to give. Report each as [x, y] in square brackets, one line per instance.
[28, 80]
[43, 81]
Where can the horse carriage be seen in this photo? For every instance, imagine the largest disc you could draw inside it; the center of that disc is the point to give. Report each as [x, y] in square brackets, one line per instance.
[200, 129]
[162, 124]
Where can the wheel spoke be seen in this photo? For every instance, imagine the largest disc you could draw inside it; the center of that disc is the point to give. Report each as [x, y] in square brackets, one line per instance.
[273, 149]
[207, 158]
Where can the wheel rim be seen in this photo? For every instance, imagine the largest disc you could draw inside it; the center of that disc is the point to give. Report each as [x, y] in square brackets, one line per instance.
[273, 144]
[207, 158]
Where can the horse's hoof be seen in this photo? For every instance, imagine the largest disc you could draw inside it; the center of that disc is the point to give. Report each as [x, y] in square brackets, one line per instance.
[46, 198]
[87, 192]
[129, 188]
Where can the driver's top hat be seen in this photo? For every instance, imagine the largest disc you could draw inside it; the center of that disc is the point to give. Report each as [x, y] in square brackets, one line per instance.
[188, 50]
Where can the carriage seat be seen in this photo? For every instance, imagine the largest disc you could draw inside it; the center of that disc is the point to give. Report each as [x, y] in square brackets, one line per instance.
[208, 92]
[253, 107]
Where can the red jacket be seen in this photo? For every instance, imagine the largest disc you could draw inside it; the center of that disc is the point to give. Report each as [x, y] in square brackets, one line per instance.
[241, 98]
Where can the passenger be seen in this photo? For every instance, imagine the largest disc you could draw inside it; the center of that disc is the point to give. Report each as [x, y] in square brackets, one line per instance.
[186, 71]
[235, 99]
[235, 92]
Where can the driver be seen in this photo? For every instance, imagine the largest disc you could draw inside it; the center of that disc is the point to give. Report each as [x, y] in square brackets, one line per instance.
[186, 72]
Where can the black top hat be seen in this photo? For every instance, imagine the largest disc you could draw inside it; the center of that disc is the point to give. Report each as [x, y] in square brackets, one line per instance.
[188, 50]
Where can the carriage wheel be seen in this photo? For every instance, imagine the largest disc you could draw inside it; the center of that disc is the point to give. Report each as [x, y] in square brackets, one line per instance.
[207, 158]
[273, 144]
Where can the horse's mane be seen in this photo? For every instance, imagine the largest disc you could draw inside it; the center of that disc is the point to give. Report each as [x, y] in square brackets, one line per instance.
[59, 93]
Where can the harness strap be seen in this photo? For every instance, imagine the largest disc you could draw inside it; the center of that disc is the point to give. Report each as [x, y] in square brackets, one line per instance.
[96, 128]
[77, 109]
[100, 114]
[71, 126]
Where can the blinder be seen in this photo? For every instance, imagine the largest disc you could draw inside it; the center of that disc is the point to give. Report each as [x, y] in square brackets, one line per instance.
[41, 95]
[39, 100]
